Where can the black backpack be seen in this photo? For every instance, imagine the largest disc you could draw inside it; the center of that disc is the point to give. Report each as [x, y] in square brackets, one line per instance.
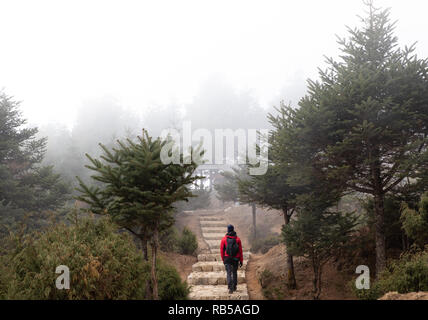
[232, 247]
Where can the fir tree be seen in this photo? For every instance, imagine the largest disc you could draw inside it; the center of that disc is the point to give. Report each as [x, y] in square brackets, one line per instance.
[271, 190]
[25, 185]
[138, 190]
[229, 191]
[317, 234]
[367, 117]
[415, 222]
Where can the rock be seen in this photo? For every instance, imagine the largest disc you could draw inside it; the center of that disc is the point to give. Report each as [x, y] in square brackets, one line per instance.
[218, 292]
[407, 296]
[208, 266]
[212, 277]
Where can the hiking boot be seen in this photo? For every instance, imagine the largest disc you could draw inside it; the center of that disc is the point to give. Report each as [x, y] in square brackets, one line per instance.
[230, 291]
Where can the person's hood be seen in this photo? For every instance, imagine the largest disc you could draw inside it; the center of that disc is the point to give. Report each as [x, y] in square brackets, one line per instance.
[231, 234]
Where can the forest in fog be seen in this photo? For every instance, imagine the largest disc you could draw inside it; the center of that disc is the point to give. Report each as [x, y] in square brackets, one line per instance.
[197, 158]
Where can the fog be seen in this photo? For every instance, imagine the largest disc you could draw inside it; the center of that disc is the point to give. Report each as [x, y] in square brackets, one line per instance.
[93, 71]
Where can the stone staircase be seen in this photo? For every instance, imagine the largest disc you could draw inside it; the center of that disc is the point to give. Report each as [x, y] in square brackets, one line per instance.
[208, 277]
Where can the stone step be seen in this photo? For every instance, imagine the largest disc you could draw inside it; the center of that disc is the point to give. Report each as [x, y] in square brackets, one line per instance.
[212, 278]
[217, 257]
[211, 224]
[216, 250]
[204, 213]
[213, 244]
[213, 236]
[209, 257]
[211, 218]
[214, 230]
[219, 292]
[208, 266]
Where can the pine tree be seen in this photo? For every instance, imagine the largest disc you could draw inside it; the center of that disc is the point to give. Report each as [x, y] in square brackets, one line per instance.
[138, 190]
[229, 191]
[367, 117]
[317, 234]
[25, 185]
[415, 222]
[272, 190]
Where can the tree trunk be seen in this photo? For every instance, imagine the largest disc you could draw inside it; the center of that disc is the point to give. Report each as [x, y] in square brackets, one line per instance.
[201, 183]
[379, 197]
[144, 248]
[319, 283]
[149, 290]
[253, 207]
[380, 234]
[211, 180]
[315, 283]
[291, 278]
[153, 271]
[318, 286]
[142, 234]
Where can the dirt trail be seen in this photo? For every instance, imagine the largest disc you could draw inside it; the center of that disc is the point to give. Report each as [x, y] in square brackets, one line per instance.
[253, 284]
[183, 263]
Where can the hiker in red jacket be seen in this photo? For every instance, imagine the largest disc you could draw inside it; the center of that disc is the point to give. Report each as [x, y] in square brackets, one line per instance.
[231, 254]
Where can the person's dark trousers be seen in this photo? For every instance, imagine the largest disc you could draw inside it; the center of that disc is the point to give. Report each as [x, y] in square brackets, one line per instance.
[232, 274]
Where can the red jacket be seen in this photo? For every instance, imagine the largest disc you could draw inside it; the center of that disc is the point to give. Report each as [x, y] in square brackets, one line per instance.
[223, 244]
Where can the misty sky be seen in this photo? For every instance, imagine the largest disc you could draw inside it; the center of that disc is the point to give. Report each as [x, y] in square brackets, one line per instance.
[55, 55]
